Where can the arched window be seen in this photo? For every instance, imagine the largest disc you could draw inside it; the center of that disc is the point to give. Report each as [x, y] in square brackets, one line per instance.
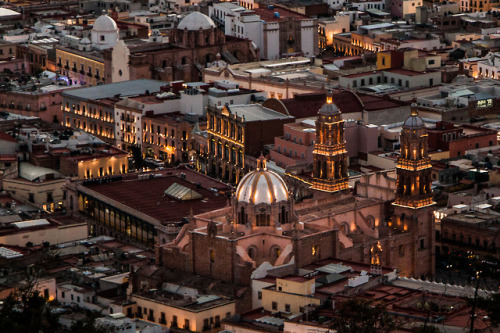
[275, 252]
[252, 252]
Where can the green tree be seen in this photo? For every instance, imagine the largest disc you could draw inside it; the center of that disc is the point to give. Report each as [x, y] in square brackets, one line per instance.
[363, 316]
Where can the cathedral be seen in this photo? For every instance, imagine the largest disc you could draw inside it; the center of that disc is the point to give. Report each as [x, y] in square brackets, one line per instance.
[386, 221]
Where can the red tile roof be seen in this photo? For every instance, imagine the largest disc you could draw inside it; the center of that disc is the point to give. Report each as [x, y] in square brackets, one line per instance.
[308, 105]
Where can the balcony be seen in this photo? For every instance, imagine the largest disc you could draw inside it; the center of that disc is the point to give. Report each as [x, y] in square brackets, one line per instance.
[151, 318]
[82, 72]
[97, 77]
[59, 65]
[66, 67]
[173, 324]
[89, 74]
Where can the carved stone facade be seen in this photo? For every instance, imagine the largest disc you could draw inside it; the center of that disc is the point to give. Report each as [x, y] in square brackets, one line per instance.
[260, 227]
[330, 154]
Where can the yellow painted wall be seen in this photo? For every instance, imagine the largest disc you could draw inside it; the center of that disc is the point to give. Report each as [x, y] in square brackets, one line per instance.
[80, 60]
[436, 156]
[195, 318]
[295, 301]
[21, 189]
[383, 60]
[94, 166]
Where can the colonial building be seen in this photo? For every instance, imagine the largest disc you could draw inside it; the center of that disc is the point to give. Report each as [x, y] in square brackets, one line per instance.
[144, 208]
[235, 131]
[330, 154]
[84, 63]
[168, 136]
[93, 109]
[195, 43]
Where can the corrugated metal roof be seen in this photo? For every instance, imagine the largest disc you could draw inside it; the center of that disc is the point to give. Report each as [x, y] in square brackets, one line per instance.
[271, 321]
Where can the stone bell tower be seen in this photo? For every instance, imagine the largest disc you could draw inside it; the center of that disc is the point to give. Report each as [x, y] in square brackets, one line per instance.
[413, 201]
[330, 154]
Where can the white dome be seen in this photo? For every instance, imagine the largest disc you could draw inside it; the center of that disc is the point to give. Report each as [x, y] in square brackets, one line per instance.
[85, 40]
[262, 186]
[104, 23]
[196, 21]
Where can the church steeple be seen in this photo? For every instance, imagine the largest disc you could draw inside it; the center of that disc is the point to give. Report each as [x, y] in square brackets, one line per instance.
[414, 164]
[330, 154]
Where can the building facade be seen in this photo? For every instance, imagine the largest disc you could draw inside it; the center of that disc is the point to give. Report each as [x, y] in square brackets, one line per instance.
[235, 131]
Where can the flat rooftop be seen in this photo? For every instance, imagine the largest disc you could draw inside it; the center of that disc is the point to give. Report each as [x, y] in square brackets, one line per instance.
[147, 195]
[256, 112]
[196, 304]
[126, 88]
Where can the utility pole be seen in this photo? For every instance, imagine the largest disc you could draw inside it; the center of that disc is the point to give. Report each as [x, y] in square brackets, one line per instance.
[473, 310]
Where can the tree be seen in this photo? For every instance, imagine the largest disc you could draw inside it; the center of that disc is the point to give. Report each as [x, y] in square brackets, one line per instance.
[492, 307]
[89, 326]
[363, 316]
[26, 311]
[427, 329]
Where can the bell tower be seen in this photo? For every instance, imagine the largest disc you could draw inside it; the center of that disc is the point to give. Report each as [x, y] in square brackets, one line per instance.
[330, 154]
[413, 203]
[414, 165]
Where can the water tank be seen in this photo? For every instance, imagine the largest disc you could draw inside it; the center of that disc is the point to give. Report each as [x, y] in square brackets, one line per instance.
[276, 15]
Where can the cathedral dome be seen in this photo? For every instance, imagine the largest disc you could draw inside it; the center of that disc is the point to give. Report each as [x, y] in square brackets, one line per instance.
[104, 23]
[329, 108]
[414, 121]
[262, 186]
[196, 21]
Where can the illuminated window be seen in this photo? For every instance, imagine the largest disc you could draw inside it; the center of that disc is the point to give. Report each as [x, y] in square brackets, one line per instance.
[315, 250]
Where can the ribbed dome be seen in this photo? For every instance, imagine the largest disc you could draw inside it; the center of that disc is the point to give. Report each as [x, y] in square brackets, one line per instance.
[329, 108]
[262, 186]
[104, 23]
[414, 120]
[196, 21]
